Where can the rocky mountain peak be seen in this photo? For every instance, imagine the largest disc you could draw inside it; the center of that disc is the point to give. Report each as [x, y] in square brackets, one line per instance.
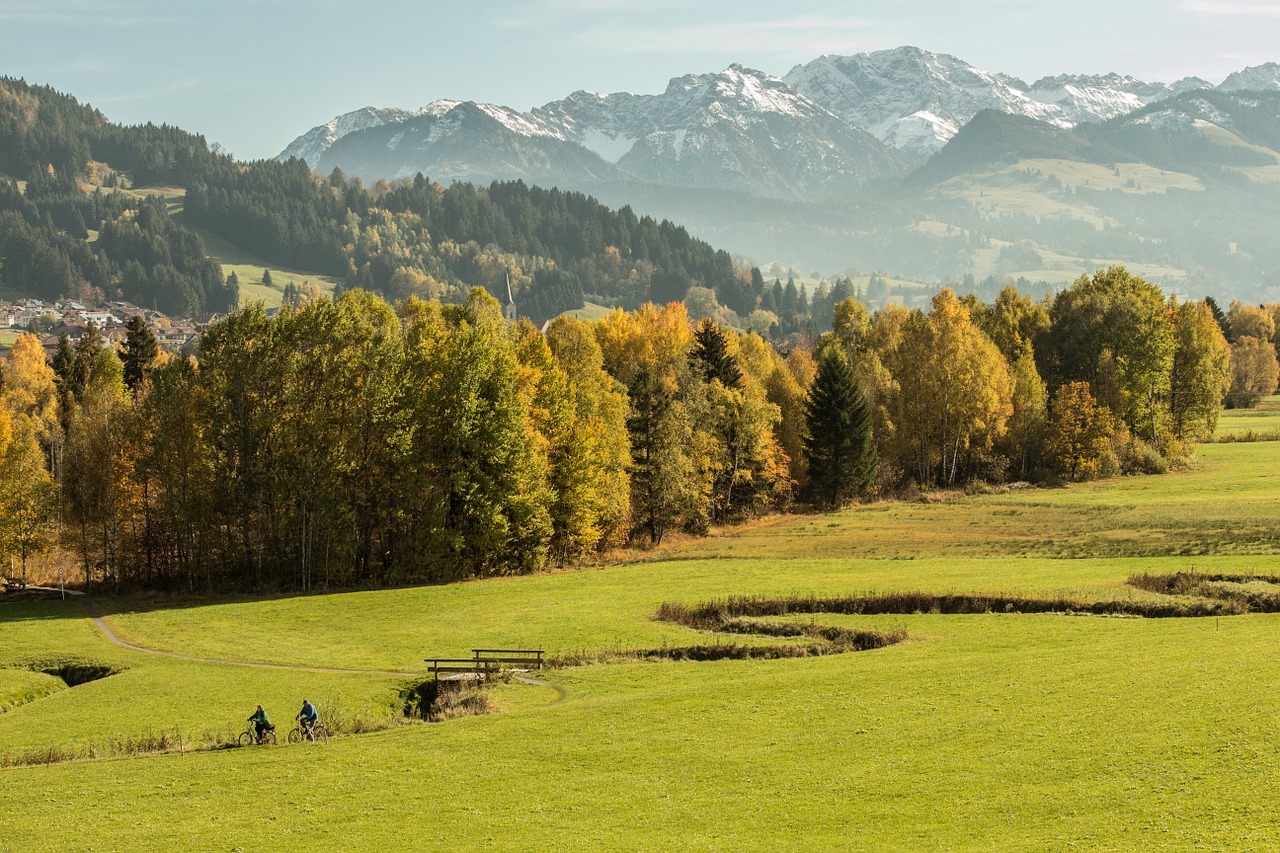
[1257, 78]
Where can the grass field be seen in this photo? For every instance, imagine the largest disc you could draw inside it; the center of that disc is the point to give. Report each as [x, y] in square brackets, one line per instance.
[249, 270]
[1262, 420]
[993, 731]
[8, 337]
[590, 312]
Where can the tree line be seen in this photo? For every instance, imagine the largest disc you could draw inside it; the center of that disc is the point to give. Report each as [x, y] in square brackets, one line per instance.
[351, 442]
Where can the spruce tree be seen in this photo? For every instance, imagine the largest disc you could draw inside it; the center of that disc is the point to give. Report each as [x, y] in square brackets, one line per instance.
[139, 351]
[712, 357]
[842, 456]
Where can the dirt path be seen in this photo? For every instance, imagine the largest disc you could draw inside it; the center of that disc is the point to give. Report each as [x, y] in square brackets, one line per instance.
[110, 636]
[101, 624]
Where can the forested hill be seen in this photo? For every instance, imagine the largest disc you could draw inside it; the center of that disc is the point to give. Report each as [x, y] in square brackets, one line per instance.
[70, 160]
[67, 230]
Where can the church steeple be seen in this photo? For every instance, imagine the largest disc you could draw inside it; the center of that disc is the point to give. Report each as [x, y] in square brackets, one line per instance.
[509, 311]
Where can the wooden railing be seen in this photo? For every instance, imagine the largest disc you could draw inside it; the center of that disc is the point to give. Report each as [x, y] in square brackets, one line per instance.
[487, 662]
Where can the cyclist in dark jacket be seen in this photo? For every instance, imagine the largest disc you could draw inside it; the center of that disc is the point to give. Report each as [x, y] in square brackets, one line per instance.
[308, 717]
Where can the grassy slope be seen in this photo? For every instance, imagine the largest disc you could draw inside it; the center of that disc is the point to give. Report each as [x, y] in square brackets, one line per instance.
[248, 268]
[1006, 732]
[1045, 188]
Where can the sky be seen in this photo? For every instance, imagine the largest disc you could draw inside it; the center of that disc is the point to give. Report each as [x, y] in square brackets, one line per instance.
[252, 75]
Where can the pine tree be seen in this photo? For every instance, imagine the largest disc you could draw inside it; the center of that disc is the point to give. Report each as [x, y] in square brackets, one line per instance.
[842, 457]
[140, 350]
[711, 355]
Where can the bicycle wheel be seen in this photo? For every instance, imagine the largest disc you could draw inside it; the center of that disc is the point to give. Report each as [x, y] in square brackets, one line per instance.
[295, 736]
[246, 739]
[269, 737]
[322, 732]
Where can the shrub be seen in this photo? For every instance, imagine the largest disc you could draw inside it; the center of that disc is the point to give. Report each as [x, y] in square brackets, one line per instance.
[1141, 458]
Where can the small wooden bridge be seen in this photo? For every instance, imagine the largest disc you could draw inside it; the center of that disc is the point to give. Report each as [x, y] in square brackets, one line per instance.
[484, 664]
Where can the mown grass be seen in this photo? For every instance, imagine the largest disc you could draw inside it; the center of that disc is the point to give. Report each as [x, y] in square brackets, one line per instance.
[1263, 421]
[590, 311]
[148, 693]
[1004, 732]
[981, 731]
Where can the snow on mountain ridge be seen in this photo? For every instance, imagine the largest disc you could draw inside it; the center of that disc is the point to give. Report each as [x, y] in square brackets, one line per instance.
[1265, 78]
[310, 147]
[910, 99]
[890, 91]
[876, 90]
[515, 122]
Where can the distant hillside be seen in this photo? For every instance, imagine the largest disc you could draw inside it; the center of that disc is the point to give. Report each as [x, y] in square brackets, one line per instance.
[1198, 131]
[999, 138]
[77, 226]
[70, 160]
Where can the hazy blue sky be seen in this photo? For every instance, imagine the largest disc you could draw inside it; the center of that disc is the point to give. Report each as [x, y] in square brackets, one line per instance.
[253, 74]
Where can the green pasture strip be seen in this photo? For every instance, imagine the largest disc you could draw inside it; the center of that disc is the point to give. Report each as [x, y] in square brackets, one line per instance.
[985, 732]
[33, 631]
[1227, 504]
[1263, 419]
[175, 198]
[590, 312]
[205, 703]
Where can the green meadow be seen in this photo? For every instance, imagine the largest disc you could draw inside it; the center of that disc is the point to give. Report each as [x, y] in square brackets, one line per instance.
[988, 731]
[247, 267]
[1264, 420]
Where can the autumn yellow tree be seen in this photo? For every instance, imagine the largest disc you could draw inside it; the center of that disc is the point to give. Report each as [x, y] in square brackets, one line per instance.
[1254, 372]
[27, 492]
[593, 507]
[647, 350]
[1079, 432]
[1201, 371]
[953, 392]
[1250, 321]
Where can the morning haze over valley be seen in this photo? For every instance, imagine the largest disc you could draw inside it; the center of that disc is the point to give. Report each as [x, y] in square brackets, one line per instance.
[868, 445]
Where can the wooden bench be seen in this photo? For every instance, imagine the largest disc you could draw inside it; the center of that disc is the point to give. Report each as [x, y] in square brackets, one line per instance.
[485, 663]
[11, 584]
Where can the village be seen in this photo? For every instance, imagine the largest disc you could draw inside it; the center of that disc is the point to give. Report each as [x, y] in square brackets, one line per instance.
[52, 319]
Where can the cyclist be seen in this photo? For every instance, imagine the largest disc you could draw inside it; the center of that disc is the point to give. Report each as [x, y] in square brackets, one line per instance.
[261, 723]
[307, 718]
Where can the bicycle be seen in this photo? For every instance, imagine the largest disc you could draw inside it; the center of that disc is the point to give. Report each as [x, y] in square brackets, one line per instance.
[315, 733]
[250, 736]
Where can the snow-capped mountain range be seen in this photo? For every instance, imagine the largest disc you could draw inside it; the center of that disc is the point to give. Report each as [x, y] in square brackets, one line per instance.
[827, 128]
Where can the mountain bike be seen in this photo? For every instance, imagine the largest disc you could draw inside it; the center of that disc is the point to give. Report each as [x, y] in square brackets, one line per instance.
[316, 732]
[249, 736]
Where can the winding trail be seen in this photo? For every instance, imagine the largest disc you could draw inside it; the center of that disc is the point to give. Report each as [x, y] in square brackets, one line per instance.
[101, 624]
[87, 603]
